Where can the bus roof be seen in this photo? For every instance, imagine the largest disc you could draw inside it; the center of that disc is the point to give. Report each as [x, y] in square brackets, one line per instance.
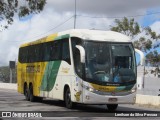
[86, 34]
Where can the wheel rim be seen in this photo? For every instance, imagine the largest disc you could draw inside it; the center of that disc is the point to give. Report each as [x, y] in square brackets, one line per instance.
[68, 98]
[26, 93]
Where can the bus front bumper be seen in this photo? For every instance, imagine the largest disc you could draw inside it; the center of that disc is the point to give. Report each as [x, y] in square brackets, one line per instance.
[93, 98]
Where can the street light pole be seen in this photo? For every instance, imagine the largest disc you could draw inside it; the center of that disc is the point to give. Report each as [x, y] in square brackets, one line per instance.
[75, 14]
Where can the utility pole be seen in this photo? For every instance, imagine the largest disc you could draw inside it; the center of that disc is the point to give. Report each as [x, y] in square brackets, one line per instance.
[11, 67]
[11, 75]
[75, 15]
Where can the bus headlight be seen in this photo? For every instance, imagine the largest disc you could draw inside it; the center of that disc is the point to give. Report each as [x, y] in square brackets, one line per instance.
[89, 88]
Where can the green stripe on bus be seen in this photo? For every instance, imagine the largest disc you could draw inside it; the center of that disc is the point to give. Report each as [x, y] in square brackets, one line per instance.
[50, 75]
[62, 37]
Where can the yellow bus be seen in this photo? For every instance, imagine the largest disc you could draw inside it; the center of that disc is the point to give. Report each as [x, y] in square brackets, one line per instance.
[79, 66]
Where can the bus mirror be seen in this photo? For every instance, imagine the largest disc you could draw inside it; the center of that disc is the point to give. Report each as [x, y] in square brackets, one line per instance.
[142, 57]
[82, 53]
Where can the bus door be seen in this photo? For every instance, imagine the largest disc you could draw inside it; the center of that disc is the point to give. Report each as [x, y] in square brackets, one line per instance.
[80, 75]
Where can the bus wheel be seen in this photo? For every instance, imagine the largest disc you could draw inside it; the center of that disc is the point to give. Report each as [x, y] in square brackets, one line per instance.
[112, 107]
[32, 97]
[26, 93]
[67, 99]
[39, 99]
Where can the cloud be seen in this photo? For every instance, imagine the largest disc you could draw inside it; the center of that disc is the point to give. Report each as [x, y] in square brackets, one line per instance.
[156, 26]
[105, 7]
[37, 26]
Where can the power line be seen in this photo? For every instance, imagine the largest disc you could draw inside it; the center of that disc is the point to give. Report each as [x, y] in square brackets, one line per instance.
[75, 15]
[48, 30]
[90, 17]
[54, 27]
[114, 17]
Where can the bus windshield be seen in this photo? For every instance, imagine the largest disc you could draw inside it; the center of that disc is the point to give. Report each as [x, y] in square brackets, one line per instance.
[109, 63]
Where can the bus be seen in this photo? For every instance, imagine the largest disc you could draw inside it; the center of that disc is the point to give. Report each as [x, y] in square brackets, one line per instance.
[79, 66]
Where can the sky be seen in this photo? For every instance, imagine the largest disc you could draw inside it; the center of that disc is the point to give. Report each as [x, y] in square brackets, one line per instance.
[58, 16]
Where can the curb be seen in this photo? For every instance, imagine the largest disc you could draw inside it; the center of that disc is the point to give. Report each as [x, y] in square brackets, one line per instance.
[148, 100]
[12, 86]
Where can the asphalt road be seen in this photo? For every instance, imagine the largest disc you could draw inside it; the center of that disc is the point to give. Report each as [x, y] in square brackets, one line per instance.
[12, 101]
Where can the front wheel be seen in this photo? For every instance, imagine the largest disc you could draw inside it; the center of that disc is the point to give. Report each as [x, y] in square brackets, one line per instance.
[112, 107]
[68, 102]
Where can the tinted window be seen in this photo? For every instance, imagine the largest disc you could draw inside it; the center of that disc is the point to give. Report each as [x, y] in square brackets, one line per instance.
[76, 56]
[55, 50]
[31, 54]
[23, 53]
[49, 51]
[65, 51]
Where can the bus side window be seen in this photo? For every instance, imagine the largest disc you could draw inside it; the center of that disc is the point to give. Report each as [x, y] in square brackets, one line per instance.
[31, 54]
[23, 54]
[65, 51]
[57, 50]
[46, 48]
[37, 53]
[42, 55]
[40, 52]
[76, 56]
[54, 50]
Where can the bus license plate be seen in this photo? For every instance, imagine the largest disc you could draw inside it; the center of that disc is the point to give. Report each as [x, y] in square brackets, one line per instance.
[112, 99]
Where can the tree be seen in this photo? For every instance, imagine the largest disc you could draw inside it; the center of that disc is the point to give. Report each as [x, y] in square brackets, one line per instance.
[10, 8]
[131, 28]
[153, 58]
[127, 27]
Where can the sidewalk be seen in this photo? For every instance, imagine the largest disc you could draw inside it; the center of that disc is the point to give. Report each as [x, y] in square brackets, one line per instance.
[12, 86]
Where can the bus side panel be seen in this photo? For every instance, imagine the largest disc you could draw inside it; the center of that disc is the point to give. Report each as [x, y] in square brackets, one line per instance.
[64, 77]
[35, 72]
[59, 77]
[30, 73]
[49, 78]
[20, 79]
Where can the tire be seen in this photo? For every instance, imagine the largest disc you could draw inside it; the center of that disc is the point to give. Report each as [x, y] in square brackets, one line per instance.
[26, 93]
[67, 99]
[112, 107]
[31, 96]
[39, 99]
